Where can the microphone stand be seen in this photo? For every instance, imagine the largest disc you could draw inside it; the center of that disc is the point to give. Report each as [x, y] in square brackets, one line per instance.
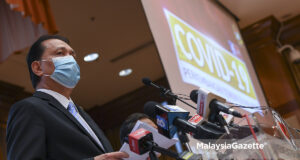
[223, 122]
[167, 92]
[152, 155]
[164, 91]
[154, 147]
[184, 139]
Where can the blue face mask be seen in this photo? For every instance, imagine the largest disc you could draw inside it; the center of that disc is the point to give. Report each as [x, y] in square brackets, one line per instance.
[67, 71]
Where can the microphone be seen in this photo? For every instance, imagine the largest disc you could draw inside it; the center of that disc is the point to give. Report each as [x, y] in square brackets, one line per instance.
[141, 141]
[165, 116]
[210, 105]
[137, 140]
[164, 91]
[196, 119]
[170, 118]
[148, 82]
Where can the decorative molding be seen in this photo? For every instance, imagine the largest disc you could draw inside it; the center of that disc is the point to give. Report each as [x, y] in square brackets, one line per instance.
[291, 32]
[261, 33]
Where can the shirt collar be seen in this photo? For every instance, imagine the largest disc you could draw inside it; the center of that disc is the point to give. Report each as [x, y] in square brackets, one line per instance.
[60, 98]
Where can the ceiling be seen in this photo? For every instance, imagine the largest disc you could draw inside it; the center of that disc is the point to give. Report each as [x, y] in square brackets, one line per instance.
[119, 32]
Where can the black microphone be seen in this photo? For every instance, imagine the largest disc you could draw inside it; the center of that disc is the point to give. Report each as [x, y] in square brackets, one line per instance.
[219, 106]
[149, 109]
[148, 82]
[164, 91]
[169, 121]
[210, 105]
[165, 116]
[194, 95]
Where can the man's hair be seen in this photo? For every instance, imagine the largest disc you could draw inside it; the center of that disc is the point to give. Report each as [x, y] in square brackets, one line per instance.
[35, 53]
[129, 123]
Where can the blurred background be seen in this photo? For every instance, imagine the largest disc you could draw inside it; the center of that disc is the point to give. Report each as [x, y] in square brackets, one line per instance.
[110, 88]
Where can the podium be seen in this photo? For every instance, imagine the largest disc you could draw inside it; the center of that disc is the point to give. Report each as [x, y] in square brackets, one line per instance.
[264, 135]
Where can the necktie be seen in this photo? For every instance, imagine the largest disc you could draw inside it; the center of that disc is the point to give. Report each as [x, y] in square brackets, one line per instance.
[71, 108]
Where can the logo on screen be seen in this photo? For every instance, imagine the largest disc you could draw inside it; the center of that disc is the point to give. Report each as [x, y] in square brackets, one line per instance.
[205, 63]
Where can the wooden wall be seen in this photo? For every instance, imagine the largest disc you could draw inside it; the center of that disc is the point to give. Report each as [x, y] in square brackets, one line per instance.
[274, 73]
[9, 94]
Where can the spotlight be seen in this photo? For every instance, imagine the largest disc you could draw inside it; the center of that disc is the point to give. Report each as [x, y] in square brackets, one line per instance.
[125, 72]
[91, 57]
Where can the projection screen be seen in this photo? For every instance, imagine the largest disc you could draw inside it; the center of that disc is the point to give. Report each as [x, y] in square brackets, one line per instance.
[200, 45]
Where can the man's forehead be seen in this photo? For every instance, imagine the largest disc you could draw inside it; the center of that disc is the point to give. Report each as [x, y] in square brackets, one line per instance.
[55, 44]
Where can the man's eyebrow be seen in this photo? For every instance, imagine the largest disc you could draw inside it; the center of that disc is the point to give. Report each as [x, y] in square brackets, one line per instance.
[64, 48]
[58, 48]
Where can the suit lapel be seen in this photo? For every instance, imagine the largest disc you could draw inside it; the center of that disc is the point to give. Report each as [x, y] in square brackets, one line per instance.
[99, 133]
[54, 103]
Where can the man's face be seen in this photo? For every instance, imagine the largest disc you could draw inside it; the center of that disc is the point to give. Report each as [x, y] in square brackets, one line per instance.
[54, 48]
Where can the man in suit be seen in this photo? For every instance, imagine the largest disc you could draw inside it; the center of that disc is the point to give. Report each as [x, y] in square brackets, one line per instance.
[49, 125]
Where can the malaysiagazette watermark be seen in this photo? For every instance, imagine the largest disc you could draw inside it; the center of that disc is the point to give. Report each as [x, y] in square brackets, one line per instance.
[234, 145]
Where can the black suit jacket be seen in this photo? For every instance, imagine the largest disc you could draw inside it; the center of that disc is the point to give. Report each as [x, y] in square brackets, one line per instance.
[39, 127]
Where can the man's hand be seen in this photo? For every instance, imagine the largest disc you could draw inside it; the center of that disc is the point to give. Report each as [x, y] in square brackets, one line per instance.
[112, 156]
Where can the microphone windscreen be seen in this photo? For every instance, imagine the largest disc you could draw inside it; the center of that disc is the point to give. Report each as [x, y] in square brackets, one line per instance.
[149, 108]
[194, 95]
[146, 81]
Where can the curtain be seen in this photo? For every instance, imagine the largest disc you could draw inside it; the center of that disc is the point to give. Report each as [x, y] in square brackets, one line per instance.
[21, 23]
[17, 32]
[38, 10]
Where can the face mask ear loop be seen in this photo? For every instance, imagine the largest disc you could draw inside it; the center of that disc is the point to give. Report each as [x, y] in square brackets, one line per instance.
[43, 60]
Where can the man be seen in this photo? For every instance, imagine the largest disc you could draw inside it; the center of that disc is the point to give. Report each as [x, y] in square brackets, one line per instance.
[49, 125]
[130, 122]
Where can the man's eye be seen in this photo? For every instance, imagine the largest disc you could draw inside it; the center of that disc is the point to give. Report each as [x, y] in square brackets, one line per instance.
[59, 53]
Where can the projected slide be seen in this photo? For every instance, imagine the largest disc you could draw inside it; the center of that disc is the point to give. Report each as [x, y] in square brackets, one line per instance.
[200, 45]
[203, 62]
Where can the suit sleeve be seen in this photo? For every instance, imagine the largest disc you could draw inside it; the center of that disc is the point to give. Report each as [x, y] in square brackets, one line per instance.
[89, 158]
[25, 133]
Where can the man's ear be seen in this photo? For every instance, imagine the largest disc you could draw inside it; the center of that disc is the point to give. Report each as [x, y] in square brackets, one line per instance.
[36, 68]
